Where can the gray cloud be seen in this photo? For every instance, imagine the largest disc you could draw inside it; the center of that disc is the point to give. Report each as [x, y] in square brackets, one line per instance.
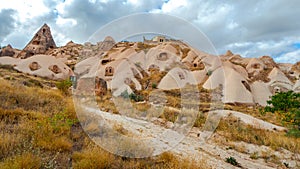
[7, 23]
[91, 16]
[251, 28]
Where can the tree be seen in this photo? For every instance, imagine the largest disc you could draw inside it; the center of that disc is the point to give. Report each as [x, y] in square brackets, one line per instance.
[287, 104]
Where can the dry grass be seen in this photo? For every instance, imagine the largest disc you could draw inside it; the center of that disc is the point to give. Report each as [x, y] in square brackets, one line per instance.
[255, 112]
[33, 121]
[144, 46]
[94, 157]
[234, 130]
[39, 129]
[15, 95]
[26, 160]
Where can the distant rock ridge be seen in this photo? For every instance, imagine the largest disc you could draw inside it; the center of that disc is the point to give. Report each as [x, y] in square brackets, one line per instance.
[7, 51]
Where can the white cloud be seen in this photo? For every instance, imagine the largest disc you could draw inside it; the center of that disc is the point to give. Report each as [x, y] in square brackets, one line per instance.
[26, 9]
[173, 5]
[66, 22]
[290, 57]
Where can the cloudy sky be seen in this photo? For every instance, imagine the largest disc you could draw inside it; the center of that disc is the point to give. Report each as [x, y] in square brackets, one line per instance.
[250, 28]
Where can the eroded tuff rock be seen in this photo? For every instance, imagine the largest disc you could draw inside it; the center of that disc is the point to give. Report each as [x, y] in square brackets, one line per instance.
[40, 43]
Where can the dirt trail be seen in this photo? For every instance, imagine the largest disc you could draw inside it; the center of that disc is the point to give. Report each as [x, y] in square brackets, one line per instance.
[192, 146]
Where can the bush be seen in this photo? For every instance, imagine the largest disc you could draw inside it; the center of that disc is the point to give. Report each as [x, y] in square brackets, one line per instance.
[286, 104]
[64, 86]
[209, 72]
[232, 161]
[136, 97]
[125, 94]
[154, 85]
[132, 96]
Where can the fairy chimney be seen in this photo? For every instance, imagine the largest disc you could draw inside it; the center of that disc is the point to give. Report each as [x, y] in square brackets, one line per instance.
[40, 43]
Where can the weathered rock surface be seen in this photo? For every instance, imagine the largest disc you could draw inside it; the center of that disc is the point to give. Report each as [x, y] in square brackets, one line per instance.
[40, 43]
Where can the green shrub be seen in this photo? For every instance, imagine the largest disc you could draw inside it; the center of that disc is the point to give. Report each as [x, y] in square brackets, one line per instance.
[232, 161]
[154, 85]
[132, 96]
[136, 97]
[125, 94]
[287, 105]
[209, 72]
[64, 86]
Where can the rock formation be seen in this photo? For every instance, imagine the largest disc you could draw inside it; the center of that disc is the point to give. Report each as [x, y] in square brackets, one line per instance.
[130, 66]
[40, 43]
[243, 80]
[44, 66]
[7, 51]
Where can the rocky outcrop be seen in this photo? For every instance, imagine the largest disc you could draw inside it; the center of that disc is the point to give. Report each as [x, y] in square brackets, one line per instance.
[243, 80]
[69, 54]
[40, 43]
[7, 51]
[44, 66]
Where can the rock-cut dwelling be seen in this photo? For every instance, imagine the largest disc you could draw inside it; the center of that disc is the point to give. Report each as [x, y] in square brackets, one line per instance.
[40, 43]
[163, 56]
[34, 66]
[159, 39]
[100, 86]
[109, 71]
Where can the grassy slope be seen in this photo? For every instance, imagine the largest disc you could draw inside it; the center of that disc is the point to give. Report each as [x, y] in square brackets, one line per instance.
[39, 129]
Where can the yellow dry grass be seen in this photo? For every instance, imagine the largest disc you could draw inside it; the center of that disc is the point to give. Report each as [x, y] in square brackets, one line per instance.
[234, 130]
[39, 129]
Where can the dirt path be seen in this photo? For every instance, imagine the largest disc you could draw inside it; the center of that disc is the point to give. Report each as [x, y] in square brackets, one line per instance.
[191, 146]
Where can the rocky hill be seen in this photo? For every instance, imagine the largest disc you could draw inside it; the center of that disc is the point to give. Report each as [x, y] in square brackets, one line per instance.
[243, 80]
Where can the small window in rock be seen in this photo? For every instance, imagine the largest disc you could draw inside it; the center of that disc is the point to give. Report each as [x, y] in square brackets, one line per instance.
[109, 71]
[104, 61]
[31, 53]
[291, 72]
[181, 76]
[195, 64]
[277, 89]
[247, 86]
[162, 56]
[34, 66]
[55, 69]
[36, 42]
[256, 66]
[153, 66]
[44, 30]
